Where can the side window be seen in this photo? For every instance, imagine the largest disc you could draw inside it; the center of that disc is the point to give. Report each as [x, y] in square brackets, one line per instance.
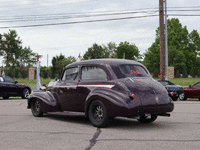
[70, 74]
[9, 79]
[93, 73]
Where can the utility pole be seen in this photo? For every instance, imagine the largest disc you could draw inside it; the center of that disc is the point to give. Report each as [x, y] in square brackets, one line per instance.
[162, 41]
[166, 43]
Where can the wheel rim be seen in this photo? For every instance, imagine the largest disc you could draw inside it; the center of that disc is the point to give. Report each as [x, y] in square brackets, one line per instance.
[26, 93]
[181, 96]
[98, 113]
[36, 107]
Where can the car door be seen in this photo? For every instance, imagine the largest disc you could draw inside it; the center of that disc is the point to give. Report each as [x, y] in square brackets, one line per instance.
[91, 77]
[10, 86]
[67, 89]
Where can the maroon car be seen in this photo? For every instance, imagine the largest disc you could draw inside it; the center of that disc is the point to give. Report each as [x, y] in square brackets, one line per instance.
[192, 91]
[104, 89]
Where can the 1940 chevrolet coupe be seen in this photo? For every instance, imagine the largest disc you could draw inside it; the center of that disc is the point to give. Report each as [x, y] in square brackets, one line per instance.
[104, 89]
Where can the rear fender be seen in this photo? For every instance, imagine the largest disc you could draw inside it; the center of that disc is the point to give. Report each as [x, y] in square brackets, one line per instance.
[116, 103]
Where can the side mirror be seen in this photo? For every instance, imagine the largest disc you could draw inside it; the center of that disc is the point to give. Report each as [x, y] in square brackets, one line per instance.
[56, 78]
[190, 86]
[16, 82]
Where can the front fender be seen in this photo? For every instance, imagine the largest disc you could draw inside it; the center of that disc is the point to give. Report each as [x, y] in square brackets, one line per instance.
[116, 103]
[48, 101]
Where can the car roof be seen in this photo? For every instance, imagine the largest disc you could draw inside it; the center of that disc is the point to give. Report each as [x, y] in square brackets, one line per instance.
[104, 62]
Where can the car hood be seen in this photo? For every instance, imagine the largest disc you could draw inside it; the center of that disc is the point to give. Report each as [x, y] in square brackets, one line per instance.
[23, 85]
[148, 90]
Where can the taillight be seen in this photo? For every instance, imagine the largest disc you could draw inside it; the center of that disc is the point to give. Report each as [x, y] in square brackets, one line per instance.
[172, 94]
[132, 96]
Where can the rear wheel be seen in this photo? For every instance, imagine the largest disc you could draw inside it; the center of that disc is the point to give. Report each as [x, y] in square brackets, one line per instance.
[147, 119]
[36, 108]
[98, 114]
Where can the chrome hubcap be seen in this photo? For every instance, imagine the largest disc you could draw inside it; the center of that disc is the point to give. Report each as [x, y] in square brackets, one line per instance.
[181, 96]
[37, 106]
[26, 93]
[98, 113]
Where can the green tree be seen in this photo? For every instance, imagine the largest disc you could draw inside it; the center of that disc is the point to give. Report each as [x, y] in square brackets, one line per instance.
[182, 48]
[58, 63]
[110, 50]
[10, 47]
[13, 53]
[94, 52]
[152, 57]
[130, 50]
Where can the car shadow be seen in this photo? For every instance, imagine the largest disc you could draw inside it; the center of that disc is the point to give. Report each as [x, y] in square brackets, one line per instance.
[69, 117]
[118, 123]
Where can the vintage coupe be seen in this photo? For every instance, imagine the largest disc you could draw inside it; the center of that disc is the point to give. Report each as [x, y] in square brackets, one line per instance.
[10, 87]
[192, 91]
[104, 89]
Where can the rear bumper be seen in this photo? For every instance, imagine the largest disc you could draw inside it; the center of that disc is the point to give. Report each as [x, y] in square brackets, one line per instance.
[153, 109]
[158, 109]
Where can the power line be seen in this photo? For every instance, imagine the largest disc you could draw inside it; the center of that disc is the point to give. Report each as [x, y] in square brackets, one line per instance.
[23, 19]
[63, 16]
[183, 15]
[76, 22]
[49, 2]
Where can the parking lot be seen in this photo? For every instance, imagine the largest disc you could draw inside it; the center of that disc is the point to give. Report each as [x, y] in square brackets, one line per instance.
[19, 130]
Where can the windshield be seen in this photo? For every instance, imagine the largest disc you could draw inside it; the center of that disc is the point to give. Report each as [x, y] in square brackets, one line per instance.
[130, 70]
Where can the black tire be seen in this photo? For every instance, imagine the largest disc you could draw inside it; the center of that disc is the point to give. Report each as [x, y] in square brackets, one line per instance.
[5, 97]
[147, 119]
[175, 98]
[199, 99]
[26, 93]
[36, 108]
[98, 114]
[182, 96]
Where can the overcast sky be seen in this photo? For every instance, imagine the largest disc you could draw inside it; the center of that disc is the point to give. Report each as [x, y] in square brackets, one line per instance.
[67, 35]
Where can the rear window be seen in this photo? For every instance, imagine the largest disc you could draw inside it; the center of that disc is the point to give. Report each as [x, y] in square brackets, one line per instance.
[130, 70]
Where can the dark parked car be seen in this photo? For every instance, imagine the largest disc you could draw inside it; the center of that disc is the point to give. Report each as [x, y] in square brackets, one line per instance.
[175, 91]
[104, 89]
[10, 87]
[192, 91]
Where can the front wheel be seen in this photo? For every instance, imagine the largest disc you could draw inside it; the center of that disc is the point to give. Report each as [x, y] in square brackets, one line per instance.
[36, 108]
[26, 93]
[98, 114]
[147, 119]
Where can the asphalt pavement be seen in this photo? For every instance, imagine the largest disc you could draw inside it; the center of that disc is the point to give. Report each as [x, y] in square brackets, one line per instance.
[20, 130]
